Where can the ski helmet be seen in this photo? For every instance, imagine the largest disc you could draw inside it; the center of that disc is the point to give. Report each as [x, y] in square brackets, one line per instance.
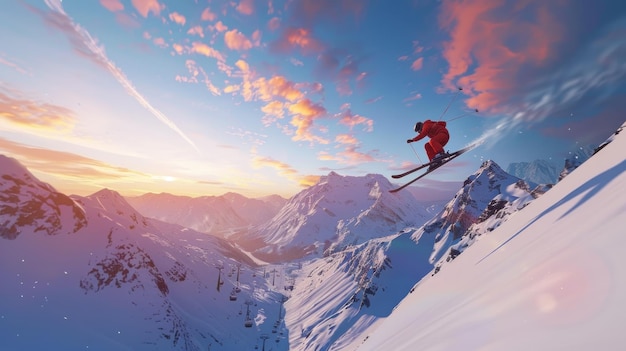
[418, 127]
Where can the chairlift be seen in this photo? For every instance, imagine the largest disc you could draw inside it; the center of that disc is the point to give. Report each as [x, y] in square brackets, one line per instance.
[248, 323]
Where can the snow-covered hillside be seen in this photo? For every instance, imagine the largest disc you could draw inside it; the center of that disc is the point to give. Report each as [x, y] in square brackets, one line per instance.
[549, 278]
[335, 213]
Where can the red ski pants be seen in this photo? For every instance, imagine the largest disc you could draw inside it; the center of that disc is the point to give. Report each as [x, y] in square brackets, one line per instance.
[436, 144]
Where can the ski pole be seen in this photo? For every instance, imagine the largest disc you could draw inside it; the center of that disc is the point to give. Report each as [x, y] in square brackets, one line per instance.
[462, 115]
[450, 103]
[415, 152]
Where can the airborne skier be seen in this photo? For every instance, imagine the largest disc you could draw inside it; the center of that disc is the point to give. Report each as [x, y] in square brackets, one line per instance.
[439, 137]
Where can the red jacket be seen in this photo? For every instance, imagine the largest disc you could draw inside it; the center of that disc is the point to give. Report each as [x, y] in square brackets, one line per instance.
[431, 129]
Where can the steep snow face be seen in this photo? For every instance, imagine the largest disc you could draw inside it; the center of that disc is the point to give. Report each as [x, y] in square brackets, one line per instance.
[218, 215]
[28, 205]
[338, 296]
[538, 171]
[336, 212]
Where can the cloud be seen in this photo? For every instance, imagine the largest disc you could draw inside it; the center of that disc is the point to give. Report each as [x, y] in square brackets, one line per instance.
[15, 66]
[273, 111]
[197, 74]
[204, 49]
[196, 30]
[65, 165]
[277, 87]
[220, 27]
[87, 46]
[285, 170]
[235, 40]
[112, 5]
[207, 15]
[346, 139]
[417, 64]
[245, 7]
[144, 7]
[273, 24]
[487, 55]
[297, 38]
[178, 18]
[351, 120]
[342, 67]
[304, 113]
[414, 96]
[282, 167]
[35, 115]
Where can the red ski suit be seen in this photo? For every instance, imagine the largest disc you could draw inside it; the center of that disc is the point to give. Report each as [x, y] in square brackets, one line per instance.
[438, 135]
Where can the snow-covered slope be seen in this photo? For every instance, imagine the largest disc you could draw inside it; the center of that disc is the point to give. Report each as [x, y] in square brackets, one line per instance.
[120, 281]
[337, 212]
[549, 278]
[219, 215]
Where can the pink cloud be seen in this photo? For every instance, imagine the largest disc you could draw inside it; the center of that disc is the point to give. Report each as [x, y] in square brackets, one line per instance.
[112, 5]
[352, 120]
[346, 139]
[144, 7]
[297, 38]
[196, 30]
[207, 15]
[417, 64]
[203, 49]
[197, 75]
[220, 27]
[273, 24]
[304, 113]
[245, 7]
[486, 55]
[235, 40]
[178, 18]
[34, 114]
[160, 42]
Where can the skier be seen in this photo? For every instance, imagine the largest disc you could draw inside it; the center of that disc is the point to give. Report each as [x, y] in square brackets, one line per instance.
[439, 137]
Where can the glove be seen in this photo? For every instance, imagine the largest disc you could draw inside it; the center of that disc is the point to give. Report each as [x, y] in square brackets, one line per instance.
[409, 141]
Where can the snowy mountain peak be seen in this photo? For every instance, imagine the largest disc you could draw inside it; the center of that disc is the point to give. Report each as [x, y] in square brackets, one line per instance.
[29, 205]
[115, 206]
[336, 212]
[10, 166]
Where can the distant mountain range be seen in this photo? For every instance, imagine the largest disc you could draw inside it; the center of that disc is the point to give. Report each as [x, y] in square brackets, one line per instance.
[547, 172]
[218, 215]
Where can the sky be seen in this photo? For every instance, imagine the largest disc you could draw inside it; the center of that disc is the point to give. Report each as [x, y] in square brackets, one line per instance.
[264, 97]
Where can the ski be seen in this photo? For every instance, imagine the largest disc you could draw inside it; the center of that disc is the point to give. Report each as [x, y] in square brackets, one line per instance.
[447, 159]
[396, 176]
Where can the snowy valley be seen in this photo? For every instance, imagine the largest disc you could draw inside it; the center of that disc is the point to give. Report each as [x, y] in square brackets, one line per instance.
[342, 265]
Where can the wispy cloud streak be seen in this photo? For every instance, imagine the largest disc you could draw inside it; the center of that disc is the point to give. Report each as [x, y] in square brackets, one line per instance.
[86, 45]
